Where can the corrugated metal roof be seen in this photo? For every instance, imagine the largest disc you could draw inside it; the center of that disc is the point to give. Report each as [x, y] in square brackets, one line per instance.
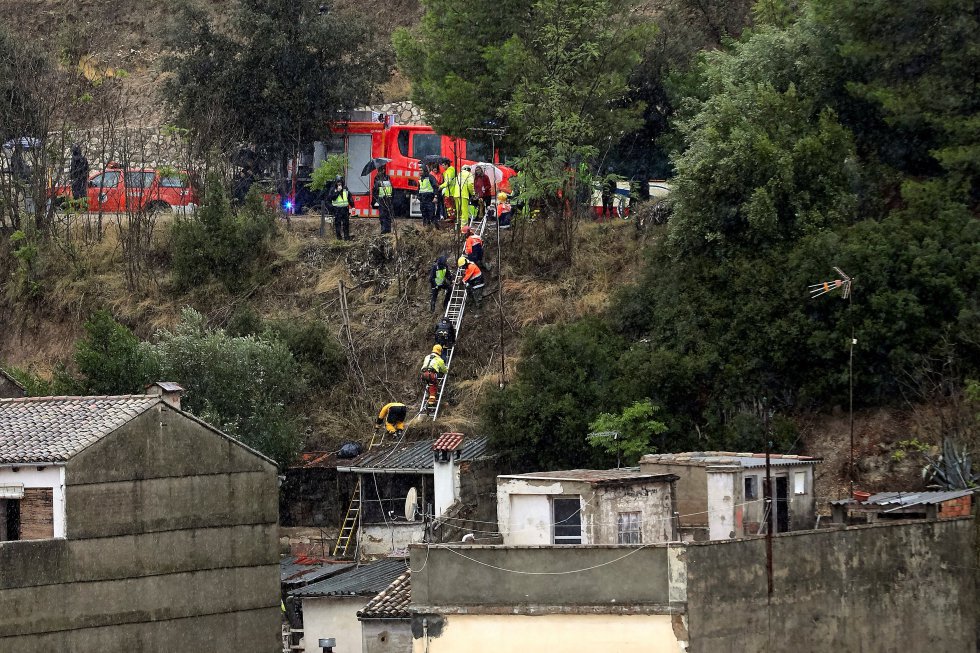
[917, 498]
[367, 580]
[749, 460]
[410, 457]
[392, 602]
[595, 476]
[53, 429]
[295, 570]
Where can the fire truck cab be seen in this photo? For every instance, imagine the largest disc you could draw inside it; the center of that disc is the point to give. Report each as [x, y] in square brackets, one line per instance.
[406, 145]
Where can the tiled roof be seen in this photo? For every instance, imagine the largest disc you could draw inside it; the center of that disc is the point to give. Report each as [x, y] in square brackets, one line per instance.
[595, 476]
[53, 429]
[448, 442]
[167, 386]
[744, 459]
[410, 457]
[367, 580]
[392, 602]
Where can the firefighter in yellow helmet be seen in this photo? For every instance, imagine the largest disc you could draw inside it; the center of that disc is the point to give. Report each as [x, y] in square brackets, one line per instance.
[433, 368]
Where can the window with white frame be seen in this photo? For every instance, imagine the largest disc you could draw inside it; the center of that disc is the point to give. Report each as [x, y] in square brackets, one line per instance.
[629, 528]
[799, 483]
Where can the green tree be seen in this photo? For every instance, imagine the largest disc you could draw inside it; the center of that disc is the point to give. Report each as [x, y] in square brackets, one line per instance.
[243, 385]
[111, 360]
[274, 75]
[221, 242]
[629, 434]
[540, 421]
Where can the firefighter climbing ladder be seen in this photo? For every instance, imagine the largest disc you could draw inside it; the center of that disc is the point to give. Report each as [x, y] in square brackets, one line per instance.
[454, 311]
[351, 520]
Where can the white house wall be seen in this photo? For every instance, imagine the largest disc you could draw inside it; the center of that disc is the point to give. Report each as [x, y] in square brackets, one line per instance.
[381, 539]
[47, 476]
[333, 616]
[524, 510]
[553, 634]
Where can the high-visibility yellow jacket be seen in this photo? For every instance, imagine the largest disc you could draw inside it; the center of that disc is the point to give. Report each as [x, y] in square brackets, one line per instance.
[435, 363]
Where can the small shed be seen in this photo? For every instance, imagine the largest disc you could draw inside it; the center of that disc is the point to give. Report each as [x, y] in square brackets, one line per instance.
[586, 506]
[904, 505]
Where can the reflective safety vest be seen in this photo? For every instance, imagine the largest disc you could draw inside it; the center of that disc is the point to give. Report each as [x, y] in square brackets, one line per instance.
[440, 276]
[435, 363]
[425, 186]
[384, 188]
[342, 199]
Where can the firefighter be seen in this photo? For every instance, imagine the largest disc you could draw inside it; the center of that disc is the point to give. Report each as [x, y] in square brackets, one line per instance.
[464, 192]
[383, 196]
[392, 415]
[504, 211]
[439, 280]
[341, 202]
[445, 333]
[473, 247]
[427, 197]
[473, 278]
[433, 368]
[446, 189]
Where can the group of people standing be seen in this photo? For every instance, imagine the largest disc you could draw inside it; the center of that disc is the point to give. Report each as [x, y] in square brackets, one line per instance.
[443, 195]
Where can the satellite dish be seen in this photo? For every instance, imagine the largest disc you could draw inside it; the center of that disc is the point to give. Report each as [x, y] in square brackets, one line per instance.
[410, 502]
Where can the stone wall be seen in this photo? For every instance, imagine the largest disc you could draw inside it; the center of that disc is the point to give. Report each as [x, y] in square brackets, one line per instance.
[149, 147]
[406, 112]
[171, 546]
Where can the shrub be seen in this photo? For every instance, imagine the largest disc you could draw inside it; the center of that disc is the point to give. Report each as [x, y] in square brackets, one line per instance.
[220, 242]
[110, 360]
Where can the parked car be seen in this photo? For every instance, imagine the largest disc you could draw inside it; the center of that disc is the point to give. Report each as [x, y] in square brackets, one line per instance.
[121, 190]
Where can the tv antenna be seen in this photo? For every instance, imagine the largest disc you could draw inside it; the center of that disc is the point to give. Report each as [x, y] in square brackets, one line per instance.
[615, 435]
[845, 283]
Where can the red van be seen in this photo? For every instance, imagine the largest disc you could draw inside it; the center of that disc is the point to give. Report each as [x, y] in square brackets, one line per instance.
[122, 190]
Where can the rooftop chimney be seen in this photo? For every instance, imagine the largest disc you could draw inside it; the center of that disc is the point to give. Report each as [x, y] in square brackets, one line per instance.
[168, 391]
[446, 451]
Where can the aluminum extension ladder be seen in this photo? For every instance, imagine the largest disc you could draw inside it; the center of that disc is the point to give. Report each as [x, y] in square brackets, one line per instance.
[352, 518]
[455, 310]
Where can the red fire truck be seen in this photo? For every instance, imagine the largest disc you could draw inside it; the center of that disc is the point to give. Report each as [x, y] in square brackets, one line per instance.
[372, 136]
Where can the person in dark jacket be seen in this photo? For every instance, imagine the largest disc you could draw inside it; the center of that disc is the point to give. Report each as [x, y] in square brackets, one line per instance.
[341, 202]
[439, 280]
[428, 187]
[78, 171]
[483, 187]
[445, 333]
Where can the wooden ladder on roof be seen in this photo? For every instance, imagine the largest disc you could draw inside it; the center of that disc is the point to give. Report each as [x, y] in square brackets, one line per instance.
[352, 519]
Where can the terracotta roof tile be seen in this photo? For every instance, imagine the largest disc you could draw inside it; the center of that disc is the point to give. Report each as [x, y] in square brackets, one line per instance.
[53, 429]
[392, 602]
[448, 442]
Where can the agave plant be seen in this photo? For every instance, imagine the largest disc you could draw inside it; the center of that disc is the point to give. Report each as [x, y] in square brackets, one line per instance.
[951, 470]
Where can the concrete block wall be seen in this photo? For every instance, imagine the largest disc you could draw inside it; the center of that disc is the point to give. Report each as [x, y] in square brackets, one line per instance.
[171, 546]
[875, 589]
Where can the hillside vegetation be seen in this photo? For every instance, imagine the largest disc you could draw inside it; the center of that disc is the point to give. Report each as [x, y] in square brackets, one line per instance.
[799, 137]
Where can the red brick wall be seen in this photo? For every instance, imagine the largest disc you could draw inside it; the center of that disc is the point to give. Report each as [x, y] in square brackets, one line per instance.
[961, 507]
[37, 514]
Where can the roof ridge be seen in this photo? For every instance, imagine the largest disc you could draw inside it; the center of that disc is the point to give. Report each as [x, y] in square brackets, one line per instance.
[13, 400]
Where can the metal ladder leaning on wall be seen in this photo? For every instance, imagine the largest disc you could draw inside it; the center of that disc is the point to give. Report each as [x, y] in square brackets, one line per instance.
[353, 516]
[454, 311]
